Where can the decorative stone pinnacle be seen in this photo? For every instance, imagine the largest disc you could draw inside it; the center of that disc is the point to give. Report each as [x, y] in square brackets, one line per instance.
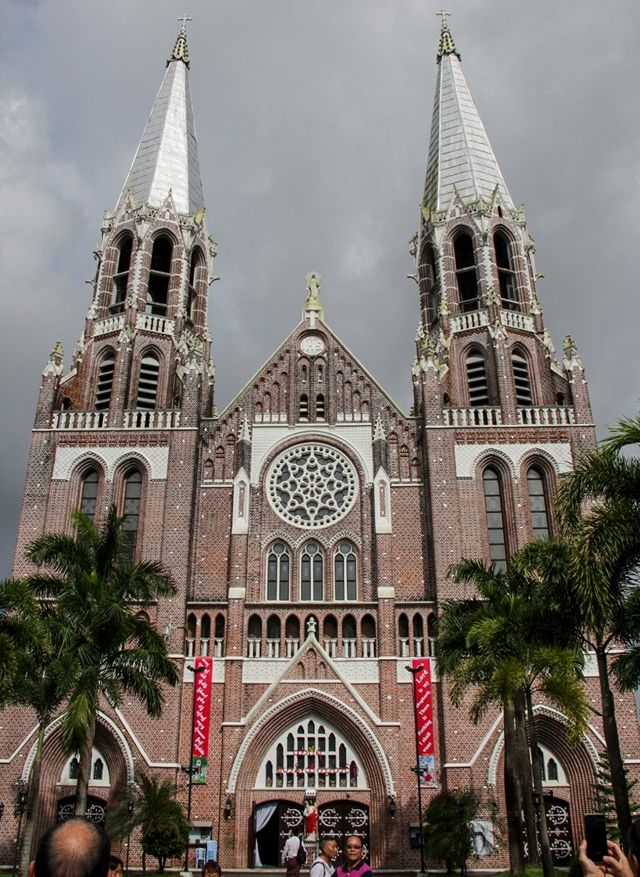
[181, 49]
[245, 434]
[378, 432]
[56, 357]
[446, 46]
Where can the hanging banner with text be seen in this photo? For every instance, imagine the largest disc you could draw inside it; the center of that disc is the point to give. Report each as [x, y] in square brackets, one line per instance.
[201, 718]
[424, 723]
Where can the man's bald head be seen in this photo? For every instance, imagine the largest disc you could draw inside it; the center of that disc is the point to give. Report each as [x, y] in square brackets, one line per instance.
[75, 848]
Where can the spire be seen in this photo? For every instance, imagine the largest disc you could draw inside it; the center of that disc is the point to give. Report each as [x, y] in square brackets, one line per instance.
[167, 156]
[460, 156]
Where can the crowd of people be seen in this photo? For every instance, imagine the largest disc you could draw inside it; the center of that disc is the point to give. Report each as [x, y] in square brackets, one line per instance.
[79, 848]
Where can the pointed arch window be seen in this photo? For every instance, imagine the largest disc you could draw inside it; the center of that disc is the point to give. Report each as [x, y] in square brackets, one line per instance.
[278, 572]
[105, 380]
[368, 636]
[159, 276]
[477, 382]
[312, 573]
[349, 637]
[418, 636]
[538, 503]
[148, 381]
[254, 637]
[121, 277]
[218, 635]
[89, 493]
[345, 572]
[403, 636]
[466, 276]
[428, 277]
[521, 378]
[494, 508]
[192, 292]
[506, 273]
[131, 511]
[205, 635]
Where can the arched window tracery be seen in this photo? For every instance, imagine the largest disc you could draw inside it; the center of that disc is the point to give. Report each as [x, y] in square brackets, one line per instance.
[278, 572]
[312, 573]
[494, 509]
[466, 275]
[345, 571]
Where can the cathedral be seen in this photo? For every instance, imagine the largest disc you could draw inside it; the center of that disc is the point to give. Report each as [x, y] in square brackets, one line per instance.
[311, 524]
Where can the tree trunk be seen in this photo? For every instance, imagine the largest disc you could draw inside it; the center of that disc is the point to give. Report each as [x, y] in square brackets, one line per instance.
[616, 765]
[545, 844]
[84, 769]
[526, 778]
[32, 802]
[512, 792]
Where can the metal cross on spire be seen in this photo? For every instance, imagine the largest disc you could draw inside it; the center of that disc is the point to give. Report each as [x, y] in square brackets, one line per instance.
[443, 14]
[446, 46]
[184, 19]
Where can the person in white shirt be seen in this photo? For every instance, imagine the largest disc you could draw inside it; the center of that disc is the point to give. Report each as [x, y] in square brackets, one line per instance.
[290, 855]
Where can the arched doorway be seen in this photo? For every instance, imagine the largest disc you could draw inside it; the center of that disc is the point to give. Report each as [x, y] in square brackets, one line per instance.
[273, 822]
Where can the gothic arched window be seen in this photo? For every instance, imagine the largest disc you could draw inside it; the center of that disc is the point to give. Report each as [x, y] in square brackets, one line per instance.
[494, 507]
[105, 380]
[345, 572]
[538, 503]
[312, 573]
[521, 378]
[159, 276]
[192, 292]
[205, 634]
[121, 277]
[278, 572]
[349, 636]
[89, 493]
[218, 635]
[403, 636]
[148, 381]
[506, 273]
[254, 636]
[368, 636]
[477, 382]
[466, 275]
[131, 511]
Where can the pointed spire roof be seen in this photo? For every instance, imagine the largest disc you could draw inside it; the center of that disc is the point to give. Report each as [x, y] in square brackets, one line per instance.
[460, 156]
[167, 156]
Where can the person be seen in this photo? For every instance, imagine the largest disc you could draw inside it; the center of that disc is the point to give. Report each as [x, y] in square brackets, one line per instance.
[616, 863]
[75, 848]
[323, 865]
[354, 854]
[290, 855]
[211, 869]
[310, 814]
[115, 866]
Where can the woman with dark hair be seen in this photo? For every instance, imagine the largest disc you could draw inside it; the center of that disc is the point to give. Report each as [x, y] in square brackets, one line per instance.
[115, 866]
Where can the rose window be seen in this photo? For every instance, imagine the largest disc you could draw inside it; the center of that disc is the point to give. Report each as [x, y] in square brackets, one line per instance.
[312, 486]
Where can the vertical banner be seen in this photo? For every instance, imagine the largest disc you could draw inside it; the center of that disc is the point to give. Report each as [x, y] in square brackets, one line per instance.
[424, 723]
[201, 719]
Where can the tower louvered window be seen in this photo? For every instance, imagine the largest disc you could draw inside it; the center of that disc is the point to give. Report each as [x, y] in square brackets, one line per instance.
[121, 277]
[159, 276]
[311, 573]
[131, 511]
[105, 381]
[538, 503]
[522, 380]
[304, 407]
[495, 518]
[319, 407]
[89, 493]
[477, 379]
[278, 567]
[466, 276]
[506, 274]
[148, 381]
[345, 569]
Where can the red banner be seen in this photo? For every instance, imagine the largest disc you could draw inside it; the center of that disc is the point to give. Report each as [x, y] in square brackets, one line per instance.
[201, 718]
[424, 722]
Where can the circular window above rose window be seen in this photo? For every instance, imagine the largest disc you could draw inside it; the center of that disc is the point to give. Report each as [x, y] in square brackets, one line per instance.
[312, 485]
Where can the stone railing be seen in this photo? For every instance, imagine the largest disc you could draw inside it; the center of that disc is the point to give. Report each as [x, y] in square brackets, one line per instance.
[142, 419]
[155, 323]
[516, 320]
[291, 645]
[472, 320]
[109, 324]
[368, 647]
[472, 416]
[80, 420]
[560, 415]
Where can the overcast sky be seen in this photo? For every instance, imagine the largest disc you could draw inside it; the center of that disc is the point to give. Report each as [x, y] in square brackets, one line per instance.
[313, 119]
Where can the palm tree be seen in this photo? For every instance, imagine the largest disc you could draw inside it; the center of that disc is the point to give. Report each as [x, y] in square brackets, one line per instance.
[152, 807]
[599, 504]
[100, 598]
[496, 644]
[17, 632]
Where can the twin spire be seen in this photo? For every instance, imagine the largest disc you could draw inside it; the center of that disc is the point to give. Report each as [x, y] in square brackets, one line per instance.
[167, 156]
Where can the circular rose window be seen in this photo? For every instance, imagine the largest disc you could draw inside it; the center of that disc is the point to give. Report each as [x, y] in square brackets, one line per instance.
[312, 485]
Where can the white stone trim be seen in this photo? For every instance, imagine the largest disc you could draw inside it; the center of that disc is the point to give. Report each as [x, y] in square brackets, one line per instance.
[382, 502]
[241, 491]
[468, 456]
[340, 708]
[155, 459]
[237, 593]
[386, 592]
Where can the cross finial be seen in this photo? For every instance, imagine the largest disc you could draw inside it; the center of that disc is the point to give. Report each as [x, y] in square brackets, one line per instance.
[184, 19]
[443, 16]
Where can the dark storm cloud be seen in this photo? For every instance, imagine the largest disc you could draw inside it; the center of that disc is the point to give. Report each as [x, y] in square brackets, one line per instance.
[313, 121]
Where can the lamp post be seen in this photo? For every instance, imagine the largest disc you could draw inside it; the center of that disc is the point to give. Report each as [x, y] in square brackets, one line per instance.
[130, 808]
[18, 810]
[414, 673]
[189, 769]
